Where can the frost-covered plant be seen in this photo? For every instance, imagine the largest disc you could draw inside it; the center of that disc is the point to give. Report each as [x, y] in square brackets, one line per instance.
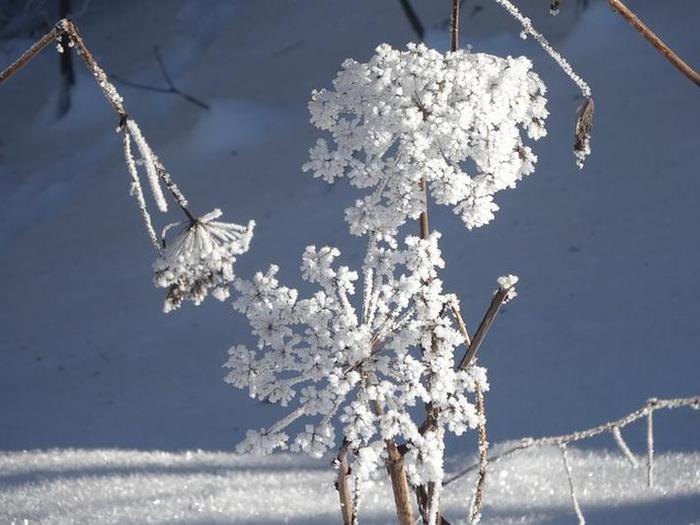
[453, 120]
[200, 259]
[367, 363]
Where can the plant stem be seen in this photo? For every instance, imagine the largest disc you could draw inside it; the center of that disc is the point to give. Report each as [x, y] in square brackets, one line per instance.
[475, 507]
[342, 485]
[489, 317]
[655, 41]
[29, 54]
[66, 28]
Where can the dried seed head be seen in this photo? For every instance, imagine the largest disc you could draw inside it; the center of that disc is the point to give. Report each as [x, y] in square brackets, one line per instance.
[201, 259]
[584, 124]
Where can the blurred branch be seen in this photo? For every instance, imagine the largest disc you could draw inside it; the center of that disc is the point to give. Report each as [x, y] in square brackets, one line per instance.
[171, 89]
[413, 19]
[655, 41]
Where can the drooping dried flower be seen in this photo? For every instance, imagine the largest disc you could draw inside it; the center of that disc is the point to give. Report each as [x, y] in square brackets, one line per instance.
[200, 259]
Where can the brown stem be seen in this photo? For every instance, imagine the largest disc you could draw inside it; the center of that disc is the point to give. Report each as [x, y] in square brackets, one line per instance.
[29, 54]
[66, 27]
[454, 26]
[655, 41]
[475, 510]
[399, 484]
[397, 474]
[342, 485]
[489, 317]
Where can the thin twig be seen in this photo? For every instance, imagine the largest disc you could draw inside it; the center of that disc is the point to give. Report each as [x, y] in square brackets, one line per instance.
[650, 445]
[622, 445]
[525, 443]
[478, 498]
[489, 317]
[413, 18]
[572, 489]
[454, 26]
[585, 115]
[29, 54]
[171, 89]
[655, 41]
[66, 27]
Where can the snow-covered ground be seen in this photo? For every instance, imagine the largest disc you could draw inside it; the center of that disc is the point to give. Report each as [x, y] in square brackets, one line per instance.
[134, 487]
[608, 259]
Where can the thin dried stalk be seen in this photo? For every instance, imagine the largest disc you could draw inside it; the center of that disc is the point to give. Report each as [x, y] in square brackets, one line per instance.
[65, 28]
[399, 484]
[572, 489]
[478, 498]
[652, 406]
[497, 301]
[342, 485]
[41, 44]
[137, 191]
[650, 445]
[655, 41]
[622, 445]
[585, 114]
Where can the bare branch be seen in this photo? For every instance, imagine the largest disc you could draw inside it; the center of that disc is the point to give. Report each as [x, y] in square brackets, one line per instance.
[655, 41]
[651, 406]
[572, 489]
[489, 317]
[413, 18]
[30, 53]
[171, 89]
[478, 498]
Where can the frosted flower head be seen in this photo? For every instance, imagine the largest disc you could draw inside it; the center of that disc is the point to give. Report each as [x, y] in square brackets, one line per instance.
[357, 363]
[200, 260]
[455, 120]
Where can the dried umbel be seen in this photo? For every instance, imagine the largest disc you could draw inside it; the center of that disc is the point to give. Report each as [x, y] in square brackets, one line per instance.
[453, 120]
[200, 260]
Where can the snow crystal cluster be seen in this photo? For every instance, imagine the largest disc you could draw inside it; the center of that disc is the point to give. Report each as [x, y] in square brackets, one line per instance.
[200, 259]
[367, 365]
[453, 120]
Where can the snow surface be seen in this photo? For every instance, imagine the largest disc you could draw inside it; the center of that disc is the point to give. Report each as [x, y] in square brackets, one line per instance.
[607, 258]
[133, 487]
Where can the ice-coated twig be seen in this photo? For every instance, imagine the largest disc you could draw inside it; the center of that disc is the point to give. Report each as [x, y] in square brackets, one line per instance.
[572, 489]
[584, 121]
[478, 496]
[147, 158]
[525, 443]
[529, 29]
[650, 443]
[137, 191]
[622, 445]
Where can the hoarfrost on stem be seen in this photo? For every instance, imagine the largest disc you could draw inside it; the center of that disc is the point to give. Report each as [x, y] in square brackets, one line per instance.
[453, 120]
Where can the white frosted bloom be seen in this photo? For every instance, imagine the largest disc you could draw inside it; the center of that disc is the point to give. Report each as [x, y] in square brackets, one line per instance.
[454, 120]
[200, 260]
[356, 370]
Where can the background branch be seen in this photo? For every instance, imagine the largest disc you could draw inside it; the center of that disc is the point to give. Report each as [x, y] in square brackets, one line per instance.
[655, 41]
